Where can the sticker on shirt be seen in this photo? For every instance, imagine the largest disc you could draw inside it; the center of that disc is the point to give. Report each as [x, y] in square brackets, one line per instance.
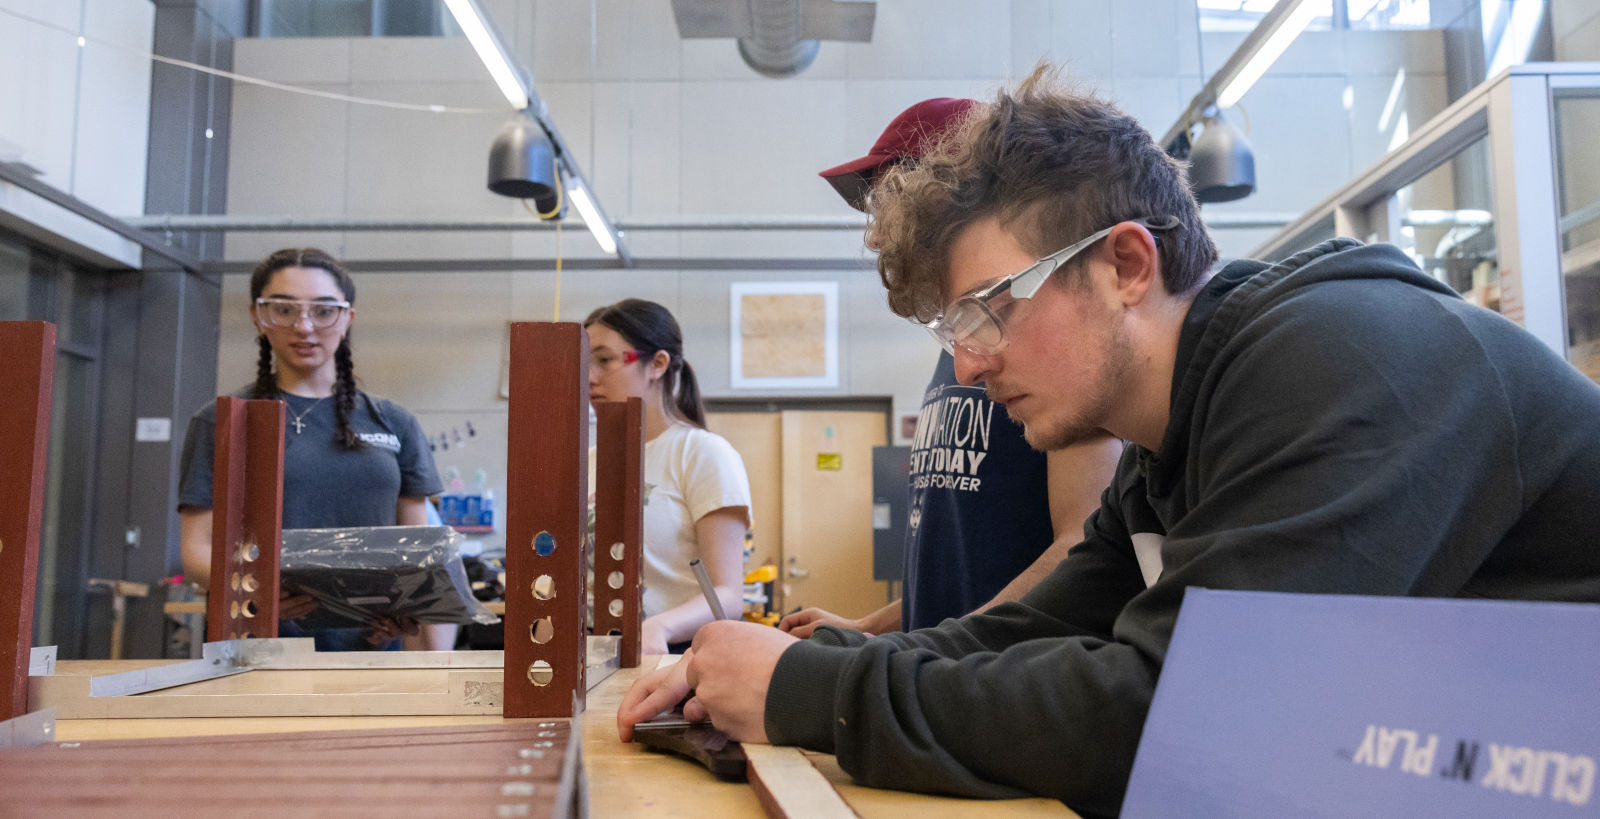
[382, 440]
[953, 441]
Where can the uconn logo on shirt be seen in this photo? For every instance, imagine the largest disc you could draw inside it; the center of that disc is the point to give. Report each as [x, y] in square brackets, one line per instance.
[384, 440]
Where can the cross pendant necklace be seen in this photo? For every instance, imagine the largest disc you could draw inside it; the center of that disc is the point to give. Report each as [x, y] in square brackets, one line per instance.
[299, 425]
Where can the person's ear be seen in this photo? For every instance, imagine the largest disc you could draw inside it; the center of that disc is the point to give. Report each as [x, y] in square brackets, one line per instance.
[659, 364]
[1132, 251]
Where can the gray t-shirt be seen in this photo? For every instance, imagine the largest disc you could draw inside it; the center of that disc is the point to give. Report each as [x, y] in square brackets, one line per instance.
[325, 486]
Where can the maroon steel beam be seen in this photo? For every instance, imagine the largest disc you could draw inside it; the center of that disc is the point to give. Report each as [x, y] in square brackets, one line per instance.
[619, 523]
[28, 350]
[247, 520]
[547, 477]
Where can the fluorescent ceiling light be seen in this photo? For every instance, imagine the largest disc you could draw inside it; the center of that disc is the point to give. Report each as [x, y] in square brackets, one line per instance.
[591, 217]
[1296, 21]
[475, 26]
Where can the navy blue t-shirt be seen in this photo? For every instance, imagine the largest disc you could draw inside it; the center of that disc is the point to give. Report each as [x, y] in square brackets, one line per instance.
[980, 505]
[325, 486]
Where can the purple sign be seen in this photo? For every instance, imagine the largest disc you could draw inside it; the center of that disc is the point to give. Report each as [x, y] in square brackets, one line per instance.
[1275, 705]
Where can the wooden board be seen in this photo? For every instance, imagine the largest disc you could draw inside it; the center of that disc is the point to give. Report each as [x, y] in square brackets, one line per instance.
[547, 488]
[524, 769]
[28, 350]
[619, 524]
[247, 519]
[790, 788]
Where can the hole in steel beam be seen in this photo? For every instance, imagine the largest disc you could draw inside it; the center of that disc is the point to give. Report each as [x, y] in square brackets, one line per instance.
[544, 587]
[540, 673]
[542, 630]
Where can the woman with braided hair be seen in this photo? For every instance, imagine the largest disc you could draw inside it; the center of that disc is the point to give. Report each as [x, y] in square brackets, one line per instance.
[696, 492]
[350, 458]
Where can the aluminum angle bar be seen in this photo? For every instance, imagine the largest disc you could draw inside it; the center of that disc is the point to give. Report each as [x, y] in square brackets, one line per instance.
[221, 659]
[36, 728]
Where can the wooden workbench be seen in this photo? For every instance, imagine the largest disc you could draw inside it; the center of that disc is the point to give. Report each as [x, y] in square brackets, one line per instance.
[623, 779]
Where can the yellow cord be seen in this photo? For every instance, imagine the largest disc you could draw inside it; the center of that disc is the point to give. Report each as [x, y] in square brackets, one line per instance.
[555, 173]
[558, 271]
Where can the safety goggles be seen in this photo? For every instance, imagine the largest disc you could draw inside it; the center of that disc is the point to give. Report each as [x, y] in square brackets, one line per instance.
[976, 321]
[289, 312]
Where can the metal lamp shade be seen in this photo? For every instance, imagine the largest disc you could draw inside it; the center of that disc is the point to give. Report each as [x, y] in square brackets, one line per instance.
[522, 165]
[1222, 167]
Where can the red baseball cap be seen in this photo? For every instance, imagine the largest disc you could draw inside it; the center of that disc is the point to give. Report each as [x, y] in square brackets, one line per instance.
[907, 137]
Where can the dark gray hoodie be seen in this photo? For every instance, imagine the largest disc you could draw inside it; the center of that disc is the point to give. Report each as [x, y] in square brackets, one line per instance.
[1340, 424]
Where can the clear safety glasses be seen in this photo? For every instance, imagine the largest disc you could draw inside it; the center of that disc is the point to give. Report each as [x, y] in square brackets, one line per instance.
[976, 321]
[288, 312]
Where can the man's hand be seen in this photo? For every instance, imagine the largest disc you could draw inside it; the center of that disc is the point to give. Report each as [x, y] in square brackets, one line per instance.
[388, 629]
[293, 606]
[652, 694]
[730, 670]
[805, 621]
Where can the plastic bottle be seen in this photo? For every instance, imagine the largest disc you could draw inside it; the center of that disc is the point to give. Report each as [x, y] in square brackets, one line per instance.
[472, 515]
[451, 502]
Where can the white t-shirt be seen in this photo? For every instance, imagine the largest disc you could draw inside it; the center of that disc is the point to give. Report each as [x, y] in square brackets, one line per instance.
[688, 473]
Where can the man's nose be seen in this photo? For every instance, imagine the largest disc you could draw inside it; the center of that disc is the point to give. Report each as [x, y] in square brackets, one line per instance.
[972, 368]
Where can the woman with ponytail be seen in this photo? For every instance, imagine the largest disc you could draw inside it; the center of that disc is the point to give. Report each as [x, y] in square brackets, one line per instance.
[350, 459]
[696, 492]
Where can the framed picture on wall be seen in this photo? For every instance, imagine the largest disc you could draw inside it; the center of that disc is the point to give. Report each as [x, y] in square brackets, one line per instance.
[784, 335]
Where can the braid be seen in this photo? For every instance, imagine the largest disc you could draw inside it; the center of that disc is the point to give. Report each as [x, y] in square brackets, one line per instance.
[266, 385]
[344, 397]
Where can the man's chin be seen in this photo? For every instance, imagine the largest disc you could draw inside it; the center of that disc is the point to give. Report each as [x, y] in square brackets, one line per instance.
[1047, 440]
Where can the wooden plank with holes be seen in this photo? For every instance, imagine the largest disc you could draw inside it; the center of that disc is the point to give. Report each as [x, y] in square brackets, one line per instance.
[547, 486]
[28, 349]
[247, 519]
[619, 524]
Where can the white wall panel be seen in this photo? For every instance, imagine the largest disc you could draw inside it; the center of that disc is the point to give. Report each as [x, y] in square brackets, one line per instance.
[1152, 38]
[294, 61]
[418, 164]
[37, 115]
[288, 156]
[634, 41]
[1071, 34]
[747, 146]
[637, 164]
[1576, 29]
[113, 122]
[935, 39]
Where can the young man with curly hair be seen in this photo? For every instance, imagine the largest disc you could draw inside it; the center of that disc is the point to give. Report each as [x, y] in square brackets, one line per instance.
[1337, 423]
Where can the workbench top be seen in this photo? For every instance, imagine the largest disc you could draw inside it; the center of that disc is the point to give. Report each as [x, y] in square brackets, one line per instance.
[623, 779]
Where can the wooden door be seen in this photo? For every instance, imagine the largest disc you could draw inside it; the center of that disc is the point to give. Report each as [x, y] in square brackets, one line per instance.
[758, 438]
[827, 511]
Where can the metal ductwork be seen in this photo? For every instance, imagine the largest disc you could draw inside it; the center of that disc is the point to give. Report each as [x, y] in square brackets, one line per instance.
[778, 38]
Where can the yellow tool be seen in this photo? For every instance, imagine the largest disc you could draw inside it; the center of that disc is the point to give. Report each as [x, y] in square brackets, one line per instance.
[758, 596]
